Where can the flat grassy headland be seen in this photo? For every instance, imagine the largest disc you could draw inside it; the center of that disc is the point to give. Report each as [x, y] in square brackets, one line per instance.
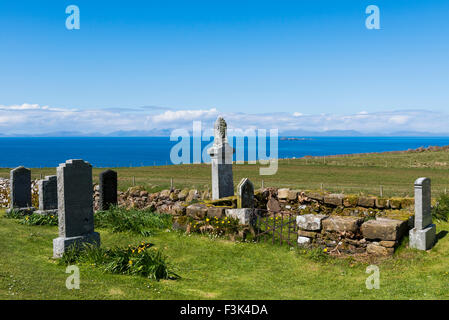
[214, 268]
[395, 172]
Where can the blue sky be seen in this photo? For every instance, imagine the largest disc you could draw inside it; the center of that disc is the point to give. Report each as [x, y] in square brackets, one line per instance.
[192, 60]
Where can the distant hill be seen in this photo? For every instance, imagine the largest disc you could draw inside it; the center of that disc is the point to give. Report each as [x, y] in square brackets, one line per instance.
[288, 133]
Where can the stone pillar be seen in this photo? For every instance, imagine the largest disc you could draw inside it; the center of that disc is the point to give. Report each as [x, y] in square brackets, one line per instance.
[107, 189]
[245, 194]
[48, 195]
[20, 189]
[422, 236]
[221, 162]
[75, 206]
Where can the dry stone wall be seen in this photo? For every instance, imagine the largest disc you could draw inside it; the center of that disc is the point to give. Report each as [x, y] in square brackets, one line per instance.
[5, 190]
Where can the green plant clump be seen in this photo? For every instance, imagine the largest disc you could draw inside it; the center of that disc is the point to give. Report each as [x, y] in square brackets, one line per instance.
[143, 222]
[39, 220]
[441, 210]
[142, 260]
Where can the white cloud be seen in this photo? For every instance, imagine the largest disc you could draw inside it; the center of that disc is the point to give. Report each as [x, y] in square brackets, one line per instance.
[36, 119]
[186, 115]
[399, 119]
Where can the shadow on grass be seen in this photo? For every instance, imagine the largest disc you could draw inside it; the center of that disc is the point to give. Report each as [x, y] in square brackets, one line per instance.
[440, 235]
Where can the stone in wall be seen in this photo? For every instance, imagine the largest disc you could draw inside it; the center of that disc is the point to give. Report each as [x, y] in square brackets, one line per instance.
[334, 199]
[367, 202]
[197, 211]
[384, 229]
[283, 193]
[310, 222]
[342, 224]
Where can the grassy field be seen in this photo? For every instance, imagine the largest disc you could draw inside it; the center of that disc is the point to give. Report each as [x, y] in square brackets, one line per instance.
[350, 174]
[213, 268]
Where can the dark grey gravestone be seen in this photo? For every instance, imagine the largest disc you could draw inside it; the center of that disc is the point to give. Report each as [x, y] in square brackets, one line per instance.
[20, 189]
[245, 194]
[75, 206]
[48, 195]
[108, 189]
[221, 162]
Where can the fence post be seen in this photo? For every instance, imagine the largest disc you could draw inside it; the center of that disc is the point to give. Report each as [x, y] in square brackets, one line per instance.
[322, 187]
[171, 183]
[134, 181]
[381, 191]
[262, 184]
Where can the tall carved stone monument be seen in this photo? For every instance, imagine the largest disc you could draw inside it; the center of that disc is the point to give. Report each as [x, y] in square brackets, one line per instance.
[20, 189]
[75, 206]
[108, 189]
[221, 162]
[245, 194]
[48, 195]
[422, 236]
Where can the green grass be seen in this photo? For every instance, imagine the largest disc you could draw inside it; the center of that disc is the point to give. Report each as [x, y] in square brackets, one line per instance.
[143, 222]
[213, 268]
[351, 174]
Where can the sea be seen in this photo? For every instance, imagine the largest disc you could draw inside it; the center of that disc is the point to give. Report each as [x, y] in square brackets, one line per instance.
[40, 152]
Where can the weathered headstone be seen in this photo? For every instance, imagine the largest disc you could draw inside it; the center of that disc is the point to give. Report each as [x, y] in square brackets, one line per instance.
[75, 206]
[107, 189]
[48, 195]
[221, 162]
[244, 215]
[20, 189]
[422, 236]
[245, 194]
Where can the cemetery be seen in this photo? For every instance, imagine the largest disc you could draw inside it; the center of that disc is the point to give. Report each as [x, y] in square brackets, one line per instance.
[316, 224]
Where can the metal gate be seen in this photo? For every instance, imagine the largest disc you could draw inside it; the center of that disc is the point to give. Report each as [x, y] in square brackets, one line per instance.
[277, 227]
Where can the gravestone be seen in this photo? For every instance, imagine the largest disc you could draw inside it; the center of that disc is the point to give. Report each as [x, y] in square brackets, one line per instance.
[221, 162]
[20, 189]
[422, 236]
[107, 189]
[245, 194]
[48, 195]
[75, 206]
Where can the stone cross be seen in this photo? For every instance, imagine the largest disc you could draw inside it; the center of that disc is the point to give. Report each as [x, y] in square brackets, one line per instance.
[221, 162]
[75, 206]
[108, 189]
[20, 189]
[48, 195]
[422, 236]
[245, 194]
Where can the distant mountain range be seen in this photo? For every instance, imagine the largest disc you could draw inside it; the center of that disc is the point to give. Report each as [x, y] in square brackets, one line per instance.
[290, 133]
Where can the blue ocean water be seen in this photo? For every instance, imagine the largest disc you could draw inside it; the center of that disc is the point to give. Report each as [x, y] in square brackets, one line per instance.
[149, 151]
